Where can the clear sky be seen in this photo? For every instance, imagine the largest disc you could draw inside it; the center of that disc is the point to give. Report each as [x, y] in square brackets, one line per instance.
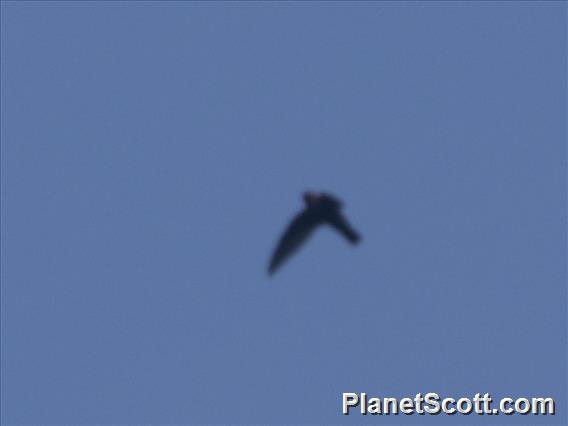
[152, 153]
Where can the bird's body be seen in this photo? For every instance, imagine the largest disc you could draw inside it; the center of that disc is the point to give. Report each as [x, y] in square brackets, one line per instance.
[320, 209]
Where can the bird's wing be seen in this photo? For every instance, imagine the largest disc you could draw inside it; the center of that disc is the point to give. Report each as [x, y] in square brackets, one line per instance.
[340, 223]
[297, 232]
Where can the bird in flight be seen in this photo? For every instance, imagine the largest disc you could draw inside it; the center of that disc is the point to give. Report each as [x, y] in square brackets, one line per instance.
[321, 208]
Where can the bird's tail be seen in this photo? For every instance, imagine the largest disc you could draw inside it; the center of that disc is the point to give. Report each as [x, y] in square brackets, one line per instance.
[351, 234]
[341, 224]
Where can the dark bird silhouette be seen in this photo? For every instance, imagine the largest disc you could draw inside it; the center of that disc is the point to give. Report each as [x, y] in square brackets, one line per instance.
[320, 209]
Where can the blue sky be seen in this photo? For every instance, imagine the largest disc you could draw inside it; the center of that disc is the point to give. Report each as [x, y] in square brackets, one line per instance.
[152, 152]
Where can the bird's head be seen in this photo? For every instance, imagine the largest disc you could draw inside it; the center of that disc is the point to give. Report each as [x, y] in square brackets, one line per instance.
[311, 198]
[321, 198]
